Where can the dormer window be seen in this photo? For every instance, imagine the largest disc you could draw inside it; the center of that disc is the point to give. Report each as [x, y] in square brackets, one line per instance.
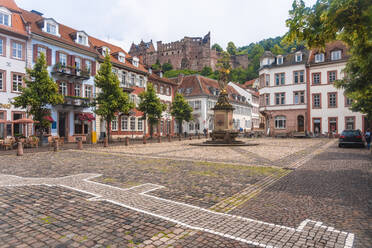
[280, 59]
[50, 26]
[336, 55]
[104, 49]
[5, 16]
[298, 57]
[161, 74]
[319, 57]
[122, 59]
[135, 62]
[82, 38]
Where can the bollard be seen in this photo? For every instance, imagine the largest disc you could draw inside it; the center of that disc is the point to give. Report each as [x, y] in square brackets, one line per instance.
[159, 139]
[127, 141]
[55, 145]
[179, 137]
[190, 138]
[105, 142]
[80, 144]
[144, 139]
[169, 138]
[20, 149]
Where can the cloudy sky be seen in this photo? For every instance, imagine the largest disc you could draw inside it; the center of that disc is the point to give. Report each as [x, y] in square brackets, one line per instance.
[125, 21]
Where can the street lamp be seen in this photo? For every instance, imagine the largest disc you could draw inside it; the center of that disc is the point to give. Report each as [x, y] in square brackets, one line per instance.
[131, 114]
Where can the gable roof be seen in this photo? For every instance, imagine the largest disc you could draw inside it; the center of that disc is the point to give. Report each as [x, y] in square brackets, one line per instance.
[200, 85]
[97, 43]
[18, 25]
[64, 31]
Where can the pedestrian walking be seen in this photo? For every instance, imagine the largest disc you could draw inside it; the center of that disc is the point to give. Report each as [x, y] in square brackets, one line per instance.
[205, 132]
[368, 137]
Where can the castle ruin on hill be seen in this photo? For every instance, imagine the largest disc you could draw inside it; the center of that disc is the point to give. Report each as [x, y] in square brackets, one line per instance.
[192, 53]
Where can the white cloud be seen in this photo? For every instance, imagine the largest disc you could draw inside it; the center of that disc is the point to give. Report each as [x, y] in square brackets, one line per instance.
[126, 21]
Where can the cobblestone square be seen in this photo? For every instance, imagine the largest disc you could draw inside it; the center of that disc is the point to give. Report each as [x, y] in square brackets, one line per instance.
[281, 193]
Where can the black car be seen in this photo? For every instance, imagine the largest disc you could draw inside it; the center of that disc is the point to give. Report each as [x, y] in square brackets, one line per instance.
[351, 138]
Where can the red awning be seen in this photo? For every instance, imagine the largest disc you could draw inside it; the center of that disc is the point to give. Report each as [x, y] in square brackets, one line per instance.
[48, 118]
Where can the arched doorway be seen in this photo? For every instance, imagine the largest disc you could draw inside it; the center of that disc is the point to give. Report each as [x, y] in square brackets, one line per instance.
[300, 123]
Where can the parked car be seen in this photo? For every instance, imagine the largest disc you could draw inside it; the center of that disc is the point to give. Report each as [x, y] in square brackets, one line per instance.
[351, 138]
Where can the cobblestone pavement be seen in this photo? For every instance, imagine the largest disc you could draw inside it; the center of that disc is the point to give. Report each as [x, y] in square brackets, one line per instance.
[241, 229]
[334, 187]
[186, 180]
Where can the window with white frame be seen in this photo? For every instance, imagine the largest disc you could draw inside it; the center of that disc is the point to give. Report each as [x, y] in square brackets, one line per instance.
[114, 124]
[267, 99]
[267, 79]
[135, 61]
[141, 81]
[167, 91]
[88, 65]
[124, 123]
[350, 122]
[63, 59]
[139, 124]
[133, 79]
[279, 98]
[17, 82]
[319, 57]
[336, 55]
[280, 122]
[51, 28]
[348, 101]
[121, 58]
[41, 50]
[332, 76]
[299, 77]
[316, 101]
[88, 91]
[82, 39]
[132, 123]
[316, 78]
[332, 100]
[77, 64]
[17, 50]
[5, 19]
[299, 97]
[280, 60]
[123, 77]
[161, 89]
[279, 79]
[298, 57]
[63, 88]
[77, 90]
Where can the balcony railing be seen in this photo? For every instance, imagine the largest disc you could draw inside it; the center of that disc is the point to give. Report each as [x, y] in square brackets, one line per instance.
[70, 72]
[76, 101]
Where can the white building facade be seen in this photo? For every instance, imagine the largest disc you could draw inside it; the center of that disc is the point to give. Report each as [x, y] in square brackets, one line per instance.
[282, 91]
[14, 39]
[329, 108]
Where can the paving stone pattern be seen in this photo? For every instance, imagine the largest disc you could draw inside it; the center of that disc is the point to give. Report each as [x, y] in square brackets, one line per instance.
[245, 230]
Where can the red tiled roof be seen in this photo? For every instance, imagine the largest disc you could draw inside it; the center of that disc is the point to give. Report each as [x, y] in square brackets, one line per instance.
[329, 47]
[18, 26]
[10, 4]
[97, 43]
[137, 90]
[155, 77]
[64, 31]
[200, 86]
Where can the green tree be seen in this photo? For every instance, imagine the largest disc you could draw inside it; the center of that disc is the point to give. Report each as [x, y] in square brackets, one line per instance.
[40, 91]
[224, 68]
[151, 106]
[349, 21]
[181, 110]
[111, 99]
[157, 65]
[207, 71]
[167, 67]
[231, 48]
[217, 47]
